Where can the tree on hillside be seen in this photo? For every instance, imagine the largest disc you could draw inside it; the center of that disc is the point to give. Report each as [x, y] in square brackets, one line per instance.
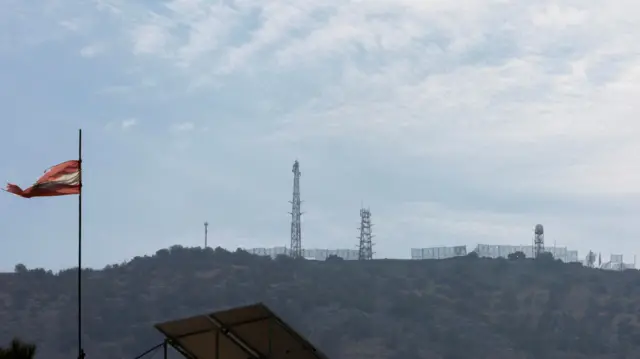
[20, 268]
[545, 257]
[515, 256]
[18, 349]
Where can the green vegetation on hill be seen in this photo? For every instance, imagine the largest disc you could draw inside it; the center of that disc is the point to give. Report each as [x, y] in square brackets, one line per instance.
[17, 349]
[459, 308]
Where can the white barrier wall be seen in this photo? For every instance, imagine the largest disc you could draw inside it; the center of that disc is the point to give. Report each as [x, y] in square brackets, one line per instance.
[322, 254]
[317, 254]
[501, 250]
[271, 252]
[483, 250]
[438, 252]
[616, 258]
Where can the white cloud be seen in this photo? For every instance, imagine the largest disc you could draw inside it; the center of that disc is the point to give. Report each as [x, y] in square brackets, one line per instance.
[122, 125]
[71, 25]
[90, 51]
[128, 123]
[150, 39]
[183, 127]
[494, 82]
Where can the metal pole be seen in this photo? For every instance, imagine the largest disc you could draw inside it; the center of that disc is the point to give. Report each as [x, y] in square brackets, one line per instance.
[81, 353]
[217, 353]
[270, 334]
[206, 225]
[150, 350]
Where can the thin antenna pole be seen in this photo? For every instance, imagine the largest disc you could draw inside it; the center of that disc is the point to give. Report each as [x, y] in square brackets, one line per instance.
[206, 225]
[81, 353]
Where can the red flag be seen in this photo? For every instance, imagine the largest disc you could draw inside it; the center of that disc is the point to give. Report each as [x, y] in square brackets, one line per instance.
[59, 180]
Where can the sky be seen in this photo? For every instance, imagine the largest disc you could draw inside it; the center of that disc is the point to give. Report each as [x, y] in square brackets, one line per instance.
[455, 121]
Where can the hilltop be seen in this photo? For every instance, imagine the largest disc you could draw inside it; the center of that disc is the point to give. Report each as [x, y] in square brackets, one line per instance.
[464, 307]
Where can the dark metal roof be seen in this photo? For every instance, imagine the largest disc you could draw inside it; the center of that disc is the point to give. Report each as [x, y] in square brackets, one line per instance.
[249, 332]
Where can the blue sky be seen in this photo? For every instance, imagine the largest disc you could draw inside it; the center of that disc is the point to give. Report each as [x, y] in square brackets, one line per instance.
[456, 122]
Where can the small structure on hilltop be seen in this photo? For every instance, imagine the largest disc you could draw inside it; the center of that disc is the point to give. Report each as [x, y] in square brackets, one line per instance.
[617, 263]
[590, 260]
[249, 332]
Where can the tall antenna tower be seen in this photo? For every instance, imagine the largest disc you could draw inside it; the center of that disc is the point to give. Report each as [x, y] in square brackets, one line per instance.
[296, 232]
[538, 240]
[206, 227]
[366, 246]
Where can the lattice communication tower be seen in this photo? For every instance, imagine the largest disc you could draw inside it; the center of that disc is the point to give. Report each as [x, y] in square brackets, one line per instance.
[365, 251]
[296, 231]
[538, 240]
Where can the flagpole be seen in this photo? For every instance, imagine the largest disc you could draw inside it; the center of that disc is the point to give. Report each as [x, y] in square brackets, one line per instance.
[81, 353]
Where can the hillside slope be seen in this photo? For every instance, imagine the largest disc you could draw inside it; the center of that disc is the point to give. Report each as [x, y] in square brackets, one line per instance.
[387, 309]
